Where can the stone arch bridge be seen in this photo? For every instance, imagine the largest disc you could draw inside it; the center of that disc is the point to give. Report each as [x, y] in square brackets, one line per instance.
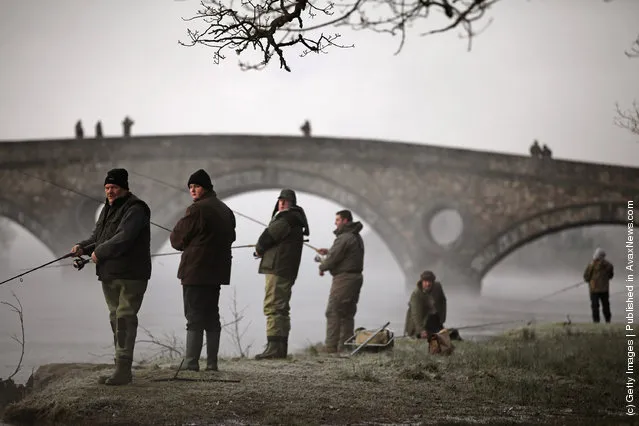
[503, 201]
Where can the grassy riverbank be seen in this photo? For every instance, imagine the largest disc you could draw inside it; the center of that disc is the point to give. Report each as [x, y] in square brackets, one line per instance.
[548, 374]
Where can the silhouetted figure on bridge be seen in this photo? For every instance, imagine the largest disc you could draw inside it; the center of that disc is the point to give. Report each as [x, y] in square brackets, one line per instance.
[306, 129]
[535, 149]
[546, 152]
[79, 132]
[126, 126]
[98, 130]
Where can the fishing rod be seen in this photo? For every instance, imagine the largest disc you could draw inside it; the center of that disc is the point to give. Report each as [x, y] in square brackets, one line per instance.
[79, 263]
[79, 193]
[488, 324]
[570, 287]
[153, 255]
[234, 211]
[66, 256]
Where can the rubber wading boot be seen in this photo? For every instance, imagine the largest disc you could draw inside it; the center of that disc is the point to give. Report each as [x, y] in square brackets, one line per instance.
[212, 348]
[122, 374]
[276, 348]
[194, 341]
[102, 379]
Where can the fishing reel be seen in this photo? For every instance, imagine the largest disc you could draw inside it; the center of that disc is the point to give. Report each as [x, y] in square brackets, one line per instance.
[79, 262]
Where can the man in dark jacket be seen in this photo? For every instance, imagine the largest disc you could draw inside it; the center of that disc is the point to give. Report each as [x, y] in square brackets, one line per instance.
[598, 274]
[280, 249]
[122, 257]
[426, 313]
[205, 235]
[345, 262]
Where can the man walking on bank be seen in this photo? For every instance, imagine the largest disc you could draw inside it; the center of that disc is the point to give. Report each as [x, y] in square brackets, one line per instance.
[204, 235]
[122, 257]
[280, 249]
[345, 262]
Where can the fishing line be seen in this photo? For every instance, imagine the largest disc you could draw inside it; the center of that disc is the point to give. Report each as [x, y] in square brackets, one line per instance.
[234, 211]
[79, 193]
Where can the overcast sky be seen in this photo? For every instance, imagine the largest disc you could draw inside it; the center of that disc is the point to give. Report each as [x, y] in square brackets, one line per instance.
[546, 69]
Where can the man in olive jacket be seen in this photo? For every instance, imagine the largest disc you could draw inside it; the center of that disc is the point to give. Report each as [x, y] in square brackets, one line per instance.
[427, 307]
[598, 274]
[345, 262]
[122, 257]
[205, 235]
[280, 249]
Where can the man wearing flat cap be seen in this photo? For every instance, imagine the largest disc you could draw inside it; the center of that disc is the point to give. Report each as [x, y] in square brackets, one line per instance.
[204, 235]
[427, 307]
[121, 243]
[280, 249]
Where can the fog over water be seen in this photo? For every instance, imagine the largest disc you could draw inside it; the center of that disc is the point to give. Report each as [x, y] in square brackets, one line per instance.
[66, 318]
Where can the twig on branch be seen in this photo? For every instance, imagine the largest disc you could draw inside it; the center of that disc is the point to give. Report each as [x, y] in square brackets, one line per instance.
[628, 119]
[169, 346]
[269, 27]
[18, 310]
[235, 333]
[633, 52]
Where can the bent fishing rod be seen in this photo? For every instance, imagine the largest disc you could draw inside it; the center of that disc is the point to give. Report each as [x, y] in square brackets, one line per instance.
[168, 185]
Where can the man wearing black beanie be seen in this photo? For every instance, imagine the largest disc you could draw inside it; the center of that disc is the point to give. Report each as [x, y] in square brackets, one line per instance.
[205, 235]
[121, 251]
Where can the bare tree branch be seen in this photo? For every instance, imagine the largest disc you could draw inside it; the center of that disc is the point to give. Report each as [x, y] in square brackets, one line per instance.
[628, 119]
[268, 27]
[633, 52]
[18, 310]
[169, 346]
[235, 333]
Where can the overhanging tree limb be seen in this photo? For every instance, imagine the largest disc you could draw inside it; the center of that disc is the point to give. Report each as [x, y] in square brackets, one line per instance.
[269, 27]
[629, 118]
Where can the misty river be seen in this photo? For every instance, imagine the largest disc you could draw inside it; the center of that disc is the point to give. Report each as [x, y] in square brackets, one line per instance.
[66, 319]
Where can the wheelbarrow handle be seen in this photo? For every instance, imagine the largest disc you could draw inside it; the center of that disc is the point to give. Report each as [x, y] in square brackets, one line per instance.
[369, 339]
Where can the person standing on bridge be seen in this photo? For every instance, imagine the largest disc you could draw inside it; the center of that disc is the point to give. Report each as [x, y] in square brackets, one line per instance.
[598, 274]
[280, 249]
[79, 132]
[204, 235]
[426, 313]
[345, 262]
[127, 123]
[122, 258]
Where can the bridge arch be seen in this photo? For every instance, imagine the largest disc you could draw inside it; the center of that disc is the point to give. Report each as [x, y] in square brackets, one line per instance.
[13, 212]
[269, 178]
[545, 223]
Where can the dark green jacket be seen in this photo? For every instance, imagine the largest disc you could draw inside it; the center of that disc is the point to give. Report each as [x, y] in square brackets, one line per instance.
[421, 305]
[122, 238]
[281, 243]
[346, 255]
